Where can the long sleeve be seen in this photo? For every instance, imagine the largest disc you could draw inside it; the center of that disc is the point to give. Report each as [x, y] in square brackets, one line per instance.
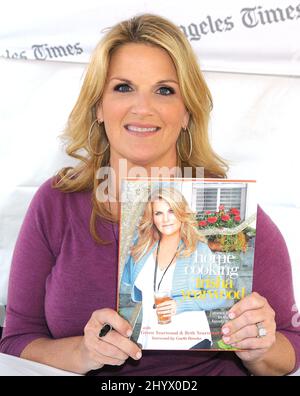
[32, 262]
[273, 279]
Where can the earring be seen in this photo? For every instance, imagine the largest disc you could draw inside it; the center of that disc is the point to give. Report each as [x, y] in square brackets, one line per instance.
[89, 138]
[191, 145]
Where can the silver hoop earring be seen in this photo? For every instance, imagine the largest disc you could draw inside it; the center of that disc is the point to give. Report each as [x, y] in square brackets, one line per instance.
[191, 146]
[89, 139]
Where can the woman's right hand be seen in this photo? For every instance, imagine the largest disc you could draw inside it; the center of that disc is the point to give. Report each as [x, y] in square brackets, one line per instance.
[167, 308]
[112, 349]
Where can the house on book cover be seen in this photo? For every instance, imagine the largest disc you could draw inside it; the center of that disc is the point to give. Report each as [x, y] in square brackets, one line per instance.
[186, 256]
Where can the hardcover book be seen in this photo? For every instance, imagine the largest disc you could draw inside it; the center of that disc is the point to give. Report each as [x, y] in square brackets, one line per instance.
[186, 254]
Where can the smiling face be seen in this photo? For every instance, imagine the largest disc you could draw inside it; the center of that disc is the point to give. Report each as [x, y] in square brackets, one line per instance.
[142, 107]
[164, 218]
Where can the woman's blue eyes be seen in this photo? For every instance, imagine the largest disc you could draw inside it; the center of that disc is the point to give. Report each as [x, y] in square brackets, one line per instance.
[122, 88]
[165, 91]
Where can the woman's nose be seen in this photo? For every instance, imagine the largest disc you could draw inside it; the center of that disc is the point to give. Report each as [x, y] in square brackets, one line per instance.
[142, 104]
[166, 217]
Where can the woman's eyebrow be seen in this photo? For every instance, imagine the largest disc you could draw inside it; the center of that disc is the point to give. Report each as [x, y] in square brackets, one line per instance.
[168, 81]
[121, 79]
[158, 82]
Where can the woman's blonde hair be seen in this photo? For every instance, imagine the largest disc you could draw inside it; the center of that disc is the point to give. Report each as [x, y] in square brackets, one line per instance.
[148, 233]
[151, 30]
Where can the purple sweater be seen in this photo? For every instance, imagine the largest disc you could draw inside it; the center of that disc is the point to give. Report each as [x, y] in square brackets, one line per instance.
[59, 276]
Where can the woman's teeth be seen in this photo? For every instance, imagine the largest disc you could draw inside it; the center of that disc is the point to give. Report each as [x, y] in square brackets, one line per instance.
[138, 129]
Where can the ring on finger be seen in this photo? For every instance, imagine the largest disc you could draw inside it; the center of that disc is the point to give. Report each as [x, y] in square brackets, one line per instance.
[261, 330]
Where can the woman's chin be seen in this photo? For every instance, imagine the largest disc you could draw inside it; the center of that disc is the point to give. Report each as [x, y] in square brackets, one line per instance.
[143, 160]
[169, 233]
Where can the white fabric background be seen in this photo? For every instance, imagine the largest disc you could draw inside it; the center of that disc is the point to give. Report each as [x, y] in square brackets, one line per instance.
[255, 121]
[229, 35]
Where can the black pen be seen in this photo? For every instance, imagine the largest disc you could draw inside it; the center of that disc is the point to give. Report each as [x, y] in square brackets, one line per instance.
[106, 328]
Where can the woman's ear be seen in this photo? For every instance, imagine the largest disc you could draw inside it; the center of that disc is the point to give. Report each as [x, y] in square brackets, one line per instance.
[186, 119]
[99, 111]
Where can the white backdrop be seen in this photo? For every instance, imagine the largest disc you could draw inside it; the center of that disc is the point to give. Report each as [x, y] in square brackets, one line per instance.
[253, 72]
[229, 35]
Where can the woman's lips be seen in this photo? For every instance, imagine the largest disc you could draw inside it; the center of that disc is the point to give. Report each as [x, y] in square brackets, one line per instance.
[141, 130]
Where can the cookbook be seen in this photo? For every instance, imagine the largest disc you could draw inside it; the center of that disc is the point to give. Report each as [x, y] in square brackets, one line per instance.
[186, 255]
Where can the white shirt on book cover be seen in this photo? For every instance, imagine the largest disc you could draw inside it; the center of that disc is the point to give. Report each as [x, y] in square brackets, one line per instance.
[185, 330]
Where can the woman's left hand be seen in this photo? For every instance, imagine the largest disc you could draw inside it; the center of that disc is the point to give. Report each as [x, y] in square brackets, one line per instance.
[242, 331]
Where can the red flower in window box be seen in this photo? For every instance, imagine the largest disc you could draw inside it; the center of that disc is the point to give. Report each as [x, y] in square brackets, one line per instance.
[212, 220]
[225, 217]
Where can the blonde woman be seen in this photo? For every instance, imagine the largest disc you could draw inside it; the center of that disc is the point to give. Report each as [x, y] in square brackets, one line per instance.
[168, 245]
[144, 100]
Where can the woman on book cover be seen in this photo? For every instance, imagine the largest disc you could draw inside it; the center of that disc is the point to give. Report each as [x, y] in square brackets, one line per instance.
[168, 244]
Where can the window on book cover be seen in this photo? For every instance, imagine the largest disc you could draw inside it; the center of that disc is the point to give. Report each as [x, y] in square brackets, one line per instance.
[210, 198]
[218, 206]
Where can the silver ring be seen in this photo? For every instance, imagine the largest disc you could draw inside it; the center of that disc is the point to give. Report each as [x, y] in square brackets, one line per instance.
[261, 331]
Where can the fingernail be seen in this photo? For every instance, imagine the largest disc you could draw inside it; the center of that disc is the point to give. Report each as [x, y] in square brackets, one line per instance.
[231, 315]
[225, 330]
[139, 355]
[226, 339]
[129, 333]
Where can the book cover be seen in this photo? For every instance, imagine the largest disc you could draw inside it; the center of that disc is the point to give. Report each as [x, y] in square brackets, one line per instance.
[186, 254]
